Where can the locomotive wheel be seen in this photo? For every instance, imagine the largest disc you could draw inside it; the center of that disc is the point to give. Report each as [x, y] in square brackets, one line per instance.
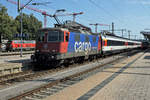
[54, 64]
[68, 62]
[81, 60]
[91, 58]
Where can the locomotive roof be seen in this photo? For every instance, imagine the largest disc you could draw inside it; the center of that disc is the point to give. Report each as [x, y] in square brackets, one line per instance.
[72, 27]
[49, 28]
[65, 29]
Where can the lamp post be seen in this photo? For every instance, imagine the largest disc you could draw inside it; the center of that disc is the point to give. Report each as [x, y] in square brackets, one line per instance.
[129, 33]
[21, 26]
[21, 33]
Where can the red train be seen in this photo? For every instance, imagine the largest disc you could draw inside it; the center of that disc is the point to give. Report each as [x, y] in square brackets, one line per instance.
[16, 45]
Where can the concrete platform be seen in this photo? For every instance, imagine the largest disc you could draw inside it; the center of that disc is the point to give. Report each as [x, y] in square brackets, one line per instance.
[128, 80]
[13, 64]
[15, 53]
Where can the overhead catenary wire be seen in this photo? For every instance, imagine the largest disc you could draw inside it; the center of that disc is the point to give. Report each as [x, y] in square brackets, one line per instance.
[88, 18]
[107, 12]
[100, 7]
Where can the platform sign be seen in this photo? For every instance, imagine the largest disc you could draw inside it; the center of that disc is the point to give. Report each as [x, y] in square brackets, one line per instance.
[24, 35]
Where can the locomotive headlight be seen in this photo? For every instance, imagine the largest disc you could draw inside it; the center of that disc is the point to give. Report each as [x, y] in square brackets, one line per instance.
[37, 50]
[52, 57]
[53, 50]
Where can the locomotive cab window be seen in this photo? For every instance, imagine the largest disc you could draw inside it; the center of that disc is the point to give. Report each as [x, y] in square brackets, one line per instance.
[40, 37]
[55, 36]
[67, 37]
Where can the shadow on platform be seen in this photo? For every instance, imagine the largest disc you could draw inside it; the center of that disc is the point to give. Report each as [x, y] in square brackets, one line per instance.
[133, 67]
[18, 61]
[126, 73]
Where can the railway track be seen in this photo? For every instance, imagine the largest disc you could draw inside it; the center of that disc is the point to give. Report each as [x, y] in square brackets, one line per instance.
[59, 84]
[23, 76]
[15, 53]
[10, 78]
[28, 75]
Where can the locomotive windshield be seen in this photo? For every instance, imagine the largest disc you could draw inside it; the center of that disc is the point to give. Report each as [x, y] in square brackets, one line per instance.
[55, 36]
[50, 36]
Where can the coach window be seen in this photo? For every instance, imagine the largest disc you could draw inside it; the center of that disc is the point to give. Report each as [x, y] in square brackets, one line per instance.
[130, 43]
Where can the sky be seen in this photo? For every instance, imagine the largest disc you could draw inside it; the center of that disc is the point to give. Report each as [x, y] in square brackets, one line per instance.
[133, 15]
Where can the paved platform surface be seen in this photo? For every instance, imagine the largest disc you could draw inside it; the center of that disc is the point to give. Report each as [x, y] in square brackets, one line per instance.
[15, 53]
[14, 64]
[128, 80]
[14, 58]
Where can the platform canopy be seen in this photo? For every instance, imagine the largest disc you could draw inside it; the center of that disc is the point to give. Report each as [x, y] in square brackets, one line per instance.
[146, 34]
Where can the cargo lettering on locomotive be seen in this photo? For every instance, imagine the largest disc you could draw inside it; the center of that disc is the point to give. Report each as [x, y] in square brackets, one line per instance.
[82, 46]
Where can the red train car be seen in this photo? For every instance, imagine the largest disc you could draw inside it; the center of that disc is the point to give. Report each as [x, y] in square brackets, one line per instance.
[16, 45]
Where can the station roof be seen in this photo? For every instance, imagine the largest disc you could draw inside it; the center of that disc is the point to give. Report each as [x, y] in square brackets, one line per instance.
[146, 34]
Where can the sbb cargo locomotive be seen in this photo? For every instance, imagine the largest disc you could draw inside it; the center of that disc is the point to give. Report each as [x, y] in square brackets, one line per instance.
[74, 43]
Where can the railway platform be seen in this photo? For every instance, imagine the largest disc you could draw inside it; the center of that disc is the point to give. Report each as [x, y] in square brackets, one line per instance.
[127, 80]
[13, 64]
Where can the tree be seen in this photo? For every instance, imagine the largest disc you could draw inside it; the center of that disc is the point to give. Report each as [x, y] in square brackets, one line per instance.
[30, 25]
[7, 25]
[34, 25]
[10, 26]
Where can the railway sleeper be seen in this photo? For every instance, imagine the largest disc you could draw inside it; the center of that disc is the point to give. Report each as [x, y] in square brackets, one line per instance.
[70, 82]
[73, 81]
[57, 87]
[53, 90]
[46, 92]
[77, 79]
[31, 98]
[63, 85]
[40, 96]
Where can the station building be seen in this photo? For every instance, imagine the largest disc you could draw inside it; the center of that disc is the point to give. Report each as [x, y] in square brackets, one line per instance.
[146, 35]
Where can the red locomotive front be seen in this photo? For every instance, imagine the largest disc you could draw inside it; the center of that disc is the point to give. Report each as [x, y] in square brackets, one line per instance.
[50, 44]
